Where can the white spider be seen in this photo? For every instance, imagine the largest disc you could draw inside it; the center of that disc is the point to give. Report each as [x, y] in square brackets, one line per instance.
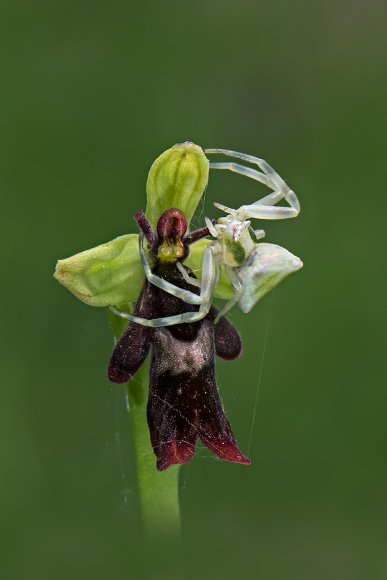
[252, 268]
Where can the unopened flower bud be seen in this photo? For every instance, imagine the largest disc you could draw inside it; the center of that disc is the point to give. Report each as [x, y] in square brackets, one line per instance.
[178, 179]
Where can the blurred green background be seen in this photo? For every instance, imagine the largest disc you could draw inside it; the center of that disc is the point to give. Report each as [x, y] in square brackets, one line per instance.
[91, 93]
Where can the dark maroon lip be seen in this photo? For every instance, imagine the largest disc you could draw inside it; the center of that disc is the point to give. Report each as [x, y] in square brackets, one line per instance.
[184, 404]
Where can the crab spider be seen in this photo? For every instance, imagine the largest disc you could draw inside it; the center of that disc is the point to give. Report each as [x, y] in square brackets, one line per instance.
[253, 268]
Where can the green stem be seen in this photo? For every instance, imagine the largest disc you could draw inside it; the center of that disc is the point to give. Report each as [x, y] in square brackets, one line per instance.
[158, 491]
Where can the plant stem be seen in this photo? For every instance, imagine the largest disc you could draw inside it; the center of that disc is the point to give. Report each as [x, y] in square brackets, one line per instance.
[158, 491]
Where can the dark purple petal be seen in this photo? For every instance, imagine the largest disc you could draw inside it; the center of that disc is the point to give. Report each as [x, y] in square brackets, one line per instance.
[171, 419]
[175, 453]
[133, 347]
[228, 342]
[213, 427]
[129, 354]
[197, 235]
[145, 227]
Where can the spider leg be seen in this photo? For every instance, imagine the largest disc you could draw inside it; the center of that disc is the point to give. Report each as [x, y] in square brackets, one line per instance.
[270, 173]
[277, 196]
[269, 177]
[189, 279]
[238, 289]
[265, 208]
[210, 279]
[211, 227]
[258, 211]
[243, 170]
[185, 295]
[266, 212]
[270, 199]
[152, 323]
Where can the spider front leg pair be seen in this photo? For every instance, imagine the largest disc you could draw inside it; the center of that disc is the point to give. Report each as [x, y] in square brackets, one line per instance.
[207, 286]
[167, 248]
[263, 208]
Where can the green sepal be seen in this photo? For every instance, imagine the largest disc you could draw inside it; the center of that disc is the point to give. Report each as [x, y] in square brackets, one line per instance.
[111, 273]
[178, 178]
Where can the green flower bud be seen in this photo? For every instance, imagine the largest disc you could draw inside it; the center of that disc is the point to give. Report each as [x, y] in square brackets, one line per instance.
[178, 178]
[108, 274]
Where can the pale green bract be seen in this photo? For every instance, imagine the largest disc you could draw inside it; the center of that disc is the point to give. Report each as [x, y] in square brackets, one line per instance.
[111, 273]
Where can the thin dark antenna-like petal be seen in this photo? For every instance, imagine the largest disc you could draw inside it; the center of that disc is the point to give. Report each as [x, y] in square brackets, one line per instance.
[146, 228]
[197, 235]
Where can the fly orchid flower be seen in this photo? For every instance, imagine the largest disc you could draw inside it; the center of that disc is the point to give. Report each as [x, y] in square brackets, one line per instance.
[174, 316]
[112, 275]
[184, 402]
